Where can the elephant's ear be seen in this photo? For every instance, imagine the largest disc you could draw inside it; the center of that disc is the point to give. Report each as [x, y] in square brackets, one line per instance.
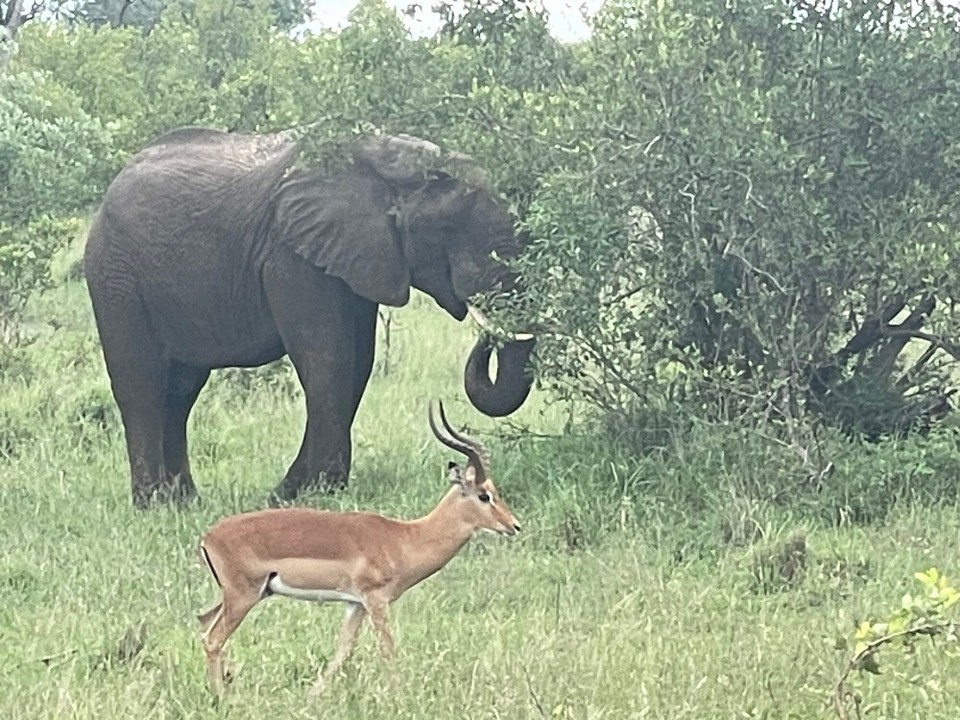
[345, 225]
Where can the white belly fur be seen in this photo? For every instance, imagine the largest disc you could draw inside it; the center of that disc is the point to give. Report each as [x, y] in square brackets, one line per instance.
[279, 587]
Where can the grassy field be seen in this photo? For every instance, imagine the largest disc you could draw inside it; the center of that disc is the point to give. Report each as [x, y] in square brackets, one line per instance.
[643, 586]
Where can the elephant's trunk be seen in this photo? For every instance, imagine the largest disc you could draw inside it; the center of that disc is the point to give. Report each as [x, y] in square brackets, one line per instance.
[507, 393]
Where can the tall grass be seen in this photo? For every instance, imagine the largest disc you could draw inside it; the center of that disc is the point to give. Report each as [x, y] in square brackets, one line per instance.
[647, 583]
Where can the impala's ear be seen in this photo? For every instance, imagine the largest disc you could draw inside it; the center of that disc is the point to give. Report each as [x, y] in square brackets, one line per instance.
[466, 478]
[453, 474]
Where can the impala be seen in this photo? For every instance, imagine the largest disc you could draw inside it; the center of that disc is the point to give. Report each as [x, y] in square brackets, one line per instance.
[361, 559]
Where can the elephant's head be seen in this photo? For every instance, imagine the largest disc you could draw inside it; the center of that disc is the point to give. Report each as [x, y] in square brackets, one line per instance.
[390, 222]
[455, 236]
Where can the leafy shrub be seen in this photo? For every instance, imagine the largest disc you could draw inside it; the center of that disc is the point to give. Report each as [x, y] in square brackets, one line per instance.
[727, 219]
[25, 255]
[54, 158]
[869, 480]
[929, 613]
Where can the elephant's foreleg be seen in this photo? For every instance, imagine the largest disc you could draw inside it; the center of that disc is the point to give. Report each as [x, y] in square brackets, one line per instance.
[315, 317]
[324, 456]
[365, 341]
[183, 387]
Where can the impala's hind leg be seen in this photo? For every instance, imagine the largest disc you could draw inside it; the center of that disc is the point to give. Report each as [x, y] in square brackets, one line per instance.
[209, 617]
[220, 621]
[223, 622]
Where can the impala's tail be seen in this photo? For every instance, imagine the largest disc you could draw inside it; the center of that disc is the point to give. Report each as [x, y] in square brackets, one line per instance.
[208, 617]
[205, 556]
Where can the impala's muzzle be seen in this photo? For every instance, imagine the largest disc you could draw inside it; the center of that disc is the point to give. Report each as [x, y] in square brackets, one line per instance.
[508, 525]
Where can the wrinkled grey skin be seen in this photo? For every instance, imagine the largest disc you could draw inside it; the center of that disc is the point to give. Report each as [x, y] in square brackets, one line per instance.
[210, 251]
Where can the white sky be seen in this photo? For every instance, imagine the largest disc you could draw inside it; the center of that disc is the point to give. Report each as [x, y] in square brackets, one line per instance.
[566, 16]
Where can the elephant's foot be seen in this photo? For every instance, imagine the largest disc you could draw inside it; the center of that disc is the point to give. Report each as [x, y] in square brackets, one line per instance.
[183, 490]
[290, 488]
[178, 490]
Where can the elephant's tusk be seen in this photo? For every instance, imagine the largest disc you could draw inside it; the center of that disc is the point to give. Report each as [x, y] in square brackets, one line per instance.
[484, 322]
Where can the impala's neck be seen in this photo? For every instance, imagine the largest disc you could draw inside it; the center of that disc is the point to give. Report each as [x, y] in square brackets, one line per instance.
[437, 537]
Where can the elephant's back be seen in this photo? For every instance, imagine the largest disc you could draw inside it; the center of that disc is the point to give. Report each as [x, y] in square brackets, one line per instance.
[191, 201]
[183, 226]
[197, 180]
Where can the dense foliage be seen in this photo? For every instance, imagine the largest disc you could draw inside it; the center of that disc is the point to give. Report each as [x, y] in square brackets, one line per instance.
[53, 158]
[736, 210]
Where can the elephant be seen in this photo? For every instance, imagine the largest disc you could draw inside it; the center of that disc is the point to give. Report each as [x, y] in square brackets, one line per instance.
[214, 249]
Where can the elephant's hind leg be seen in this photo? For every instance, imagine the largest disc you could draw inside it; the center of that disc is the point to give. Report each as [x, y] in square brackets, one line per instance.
[184, 384]
[138, 377]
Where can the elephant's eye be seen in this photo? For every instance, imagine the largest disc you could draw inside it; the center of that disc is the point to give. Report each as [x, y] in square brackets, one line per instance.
[484, 497]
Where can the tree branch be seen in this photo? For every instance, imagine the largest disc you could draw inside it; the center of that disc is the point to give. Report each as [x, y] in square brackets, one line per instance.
[624, 295]
[840, 692]
[32, 12]
[871, 330]
[123, 11]
[936, 341]
[882, 363]
[763, 274]
[13, 18]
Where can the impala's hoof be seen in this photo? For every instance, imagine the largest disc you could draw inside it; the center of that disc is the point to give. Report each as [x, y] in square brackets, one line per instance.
[316, 689]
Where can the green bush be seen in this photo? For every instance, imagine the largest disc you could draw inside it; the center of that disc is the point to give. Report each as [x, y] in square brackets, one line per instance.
[55, 159]
[25, 255]
[732, 214]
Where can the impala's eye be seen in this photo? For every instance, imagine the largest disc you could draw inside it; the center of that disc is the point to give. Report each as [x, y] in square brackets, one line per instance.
[484, 497]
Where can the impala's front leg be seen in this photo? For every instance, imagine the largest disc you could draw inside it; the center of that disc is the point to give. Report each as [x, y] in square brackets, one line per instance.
[378, 618]
[352, 620]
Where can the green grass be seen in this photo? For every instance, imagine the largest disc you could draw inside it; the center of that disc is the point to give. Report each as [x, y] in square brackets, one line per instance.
[634, 591]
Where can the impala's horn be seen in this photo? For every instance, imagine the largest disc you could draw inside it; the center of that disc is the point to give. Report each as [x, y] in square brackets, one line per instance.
[460, 443]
